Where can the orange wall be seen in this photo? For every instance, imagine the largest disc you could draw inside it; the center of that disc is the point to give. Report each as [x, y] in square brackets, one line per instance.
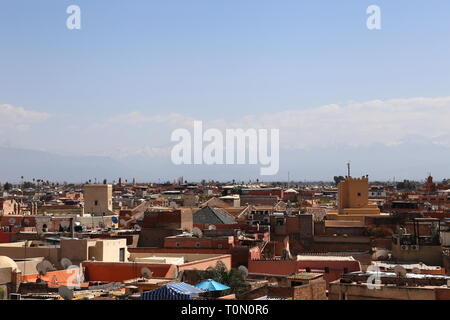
[118, 272]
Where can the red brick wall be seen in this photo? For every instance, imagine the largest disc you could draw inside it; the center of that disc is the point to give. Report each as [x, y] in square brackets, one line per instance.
[288, 267]
[275, 267]
[5, 237]
[442, 294]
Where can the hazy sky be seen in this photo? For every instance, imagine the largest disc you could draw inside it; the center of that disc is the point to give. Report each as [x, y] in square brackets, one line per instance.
[139, 69]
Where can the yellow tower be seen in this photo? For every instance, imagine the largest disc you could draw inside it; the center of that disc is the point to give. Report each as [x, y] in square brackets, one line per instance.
[353, 197]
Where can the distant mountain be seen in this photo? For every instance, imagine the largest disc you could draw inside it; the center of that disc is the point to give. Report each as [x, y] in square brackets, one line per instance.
[405, 161]
[15, 163]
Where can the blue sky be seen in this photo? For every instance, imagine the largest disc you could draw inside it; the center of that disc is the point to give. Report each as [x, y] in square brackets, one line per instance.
[216, 61]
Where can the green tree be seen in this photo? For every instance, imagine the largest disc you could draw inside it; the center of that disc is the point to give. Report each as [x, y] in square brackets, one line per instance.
[406, 185]
[7, 186]
[28, 184]
[338, 179]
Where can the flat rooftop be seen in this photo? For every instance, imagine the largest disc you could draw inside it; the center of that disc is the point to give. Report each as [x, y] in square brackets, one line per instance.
[324, 258]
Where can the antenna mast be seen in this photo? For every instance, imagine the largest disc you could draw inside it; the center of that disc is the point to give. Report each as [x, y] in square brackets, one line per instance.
[348, 169]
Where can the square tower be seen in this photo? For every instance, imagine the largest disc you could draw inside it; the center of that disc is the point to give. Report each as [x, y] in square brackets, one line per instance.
[353, 197]
[98, 199]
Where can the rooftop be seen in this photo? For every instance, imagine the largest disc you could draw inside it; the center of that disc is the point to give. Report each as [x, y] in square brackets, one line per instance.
[324, 258]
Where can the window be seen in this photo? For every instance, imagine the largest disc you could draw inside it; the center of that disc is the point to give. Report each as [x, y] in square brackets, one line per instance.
[326, 269]
[177, 244]
[359, 194]
[122, 254]
[96, 202]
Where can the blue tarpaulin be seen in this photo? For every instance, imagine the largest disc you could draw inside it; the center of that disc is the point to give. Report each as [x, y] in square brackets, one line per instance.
[173, 291]
[211, 285]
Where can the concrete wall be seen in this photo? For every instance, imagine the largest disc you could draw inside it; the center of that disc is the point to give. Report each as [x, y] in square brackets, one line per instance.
[9, 207]
[430, 255]
[15, 252]
[107, 250]
[5, 275]
[340, 291]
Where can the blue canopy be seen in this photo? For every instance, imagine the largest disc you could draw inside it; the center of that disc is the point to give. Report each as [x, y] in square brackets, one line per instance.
[173, 291]
[211, 285]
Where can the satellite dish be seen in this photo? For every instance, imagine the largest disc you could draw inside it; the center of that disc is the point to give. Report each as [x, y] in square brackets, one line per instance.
[12, 221]
[400, 271]
[212, 227]
[137, 227]
[243, 270]
[115, 219]
[123, 222]
[197, 232]
[146, 273]
[173, 205]
[43, 267]
[65, 224]
[380, 255]
[65, 263]
[65, 293]
[416, 270]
